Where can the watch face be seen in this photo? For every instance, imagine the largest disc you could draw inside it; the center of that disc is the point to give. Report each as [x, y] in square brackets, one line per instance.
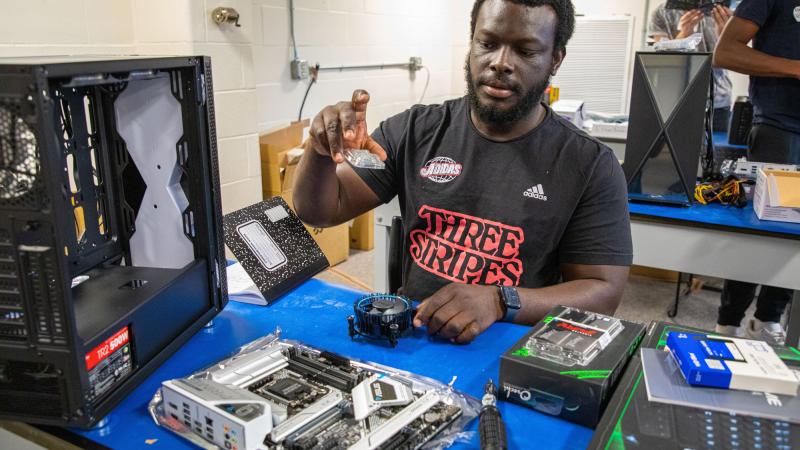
[510, 297]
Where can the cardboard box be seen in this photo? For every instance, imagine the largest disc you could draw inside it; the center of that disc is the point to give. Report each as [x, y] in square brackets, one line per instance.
[273, 146]
[333, 241]
[731, 363]
[279, 158]
[575, 393]
[777, 196]
[572, 110]
[362, 232]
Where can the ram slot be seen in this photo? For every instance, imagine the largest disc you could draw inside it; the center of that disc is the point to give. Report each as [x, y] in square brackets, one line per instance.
[325, 373]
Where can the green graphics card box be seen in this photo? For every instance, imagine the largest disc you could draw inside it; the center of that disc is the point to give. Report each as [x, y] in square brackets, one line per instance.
[569, 363]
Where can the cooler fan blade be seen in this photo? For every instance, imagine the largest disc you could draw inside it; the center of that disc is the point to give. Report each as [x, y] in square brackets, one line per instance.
[398, 308]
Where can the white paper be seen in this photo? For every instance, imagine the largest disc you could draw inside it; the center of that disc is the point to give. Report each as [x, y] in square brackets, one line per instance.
[241, 288]
[262, 245]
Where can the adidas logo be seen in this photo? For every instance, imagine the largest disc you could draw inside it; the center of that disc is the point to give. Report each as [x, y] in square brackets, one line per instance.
[536, 192]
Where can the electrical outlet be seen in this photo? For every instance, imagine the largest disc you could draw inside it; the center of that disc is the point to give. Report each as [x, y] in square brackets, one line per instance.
[415, 63]
[299, 69]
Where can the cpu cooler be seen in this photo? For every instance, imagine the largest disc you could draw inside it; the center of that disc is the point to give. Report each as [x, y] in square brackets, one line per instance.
[381, 316]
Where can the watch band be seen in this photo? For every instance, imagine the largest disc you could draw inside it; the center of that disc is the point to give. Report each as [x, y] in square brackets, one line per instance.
[510, 298]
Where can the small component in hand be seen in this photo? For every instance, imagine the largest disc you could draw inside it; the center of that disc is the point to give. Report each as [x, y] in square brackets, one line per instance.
[363, 159]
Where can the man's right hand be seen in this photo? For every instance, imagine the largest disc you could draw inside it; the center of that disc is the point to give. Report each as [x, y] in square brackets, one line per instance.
[344, 126]
[688, 22]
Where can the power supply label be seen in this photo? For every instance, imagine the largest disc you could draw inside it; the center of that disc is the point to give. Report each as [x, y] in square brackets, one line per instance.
[109, 362]
[108, 347]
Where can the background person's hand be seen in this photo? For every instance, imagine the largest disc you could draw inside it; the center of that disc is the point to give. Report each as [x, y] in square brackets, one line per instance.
[688, 22]
[460, 312]
[344, 126]
[721, 15]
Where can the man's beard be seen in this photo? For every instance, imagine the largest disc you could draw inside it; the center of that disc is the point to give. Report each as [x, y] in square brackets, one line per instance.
[493, 115]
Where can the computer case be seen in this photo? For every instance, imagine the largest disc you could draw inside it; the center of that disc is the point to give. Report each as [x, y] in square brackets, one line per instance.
[741, 121]
[670, 101]
[111, 252]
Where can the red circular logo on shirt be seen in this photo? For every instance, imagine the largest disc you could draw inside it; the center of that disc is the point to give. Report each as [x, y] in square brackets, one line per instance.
[440, 169]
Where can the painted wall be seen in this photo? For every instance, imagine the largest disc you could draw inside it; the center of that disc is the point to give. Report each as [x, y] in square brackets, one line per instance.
[346, 32]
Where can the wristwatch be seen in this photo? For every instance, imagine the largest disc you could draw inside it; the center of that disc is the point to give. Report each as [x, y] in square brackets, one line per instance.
[510, 298]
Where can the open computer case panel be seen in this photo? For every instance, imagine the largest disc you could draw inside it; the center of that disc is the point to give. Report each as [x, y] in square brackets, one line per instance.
[110, 228]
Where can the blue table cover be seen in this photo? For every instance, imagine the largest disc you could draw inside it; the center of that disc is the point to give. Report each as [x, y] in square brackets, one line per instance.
[315, 313]
[716, 215]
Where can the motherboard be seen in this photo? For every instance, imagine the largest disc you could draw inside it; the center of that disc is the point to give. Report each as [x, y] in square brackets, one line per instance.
[291, 397]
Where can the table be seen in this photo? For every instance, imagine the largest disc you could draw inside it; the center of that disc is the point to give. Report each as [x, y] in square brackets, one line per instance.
[315, 313]
[719, 241]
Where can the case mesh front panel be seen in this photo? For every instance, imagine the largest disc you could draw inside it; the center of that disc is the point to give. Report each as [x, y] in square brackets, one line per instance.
[19, 160]
[12, 314]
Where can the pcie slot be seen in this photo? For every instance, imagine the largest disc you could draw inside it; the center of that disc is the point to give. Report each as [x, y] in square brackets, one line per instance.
[309, 431]
[387, 429]
[306, 416]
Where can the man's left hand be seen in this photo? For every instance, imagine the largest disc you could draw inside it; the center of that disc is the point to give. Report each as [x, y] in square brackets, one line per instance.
[721, 15]
[460, 312]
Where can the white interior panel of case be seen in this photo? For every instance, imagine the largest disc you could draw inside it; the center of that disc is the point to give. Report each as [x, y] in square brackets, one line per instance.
[149, 119]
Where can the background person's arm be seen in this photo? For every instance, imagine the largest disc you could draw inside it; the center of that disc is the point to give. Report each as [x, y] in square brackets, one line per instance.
[660, 29]
[733, 53]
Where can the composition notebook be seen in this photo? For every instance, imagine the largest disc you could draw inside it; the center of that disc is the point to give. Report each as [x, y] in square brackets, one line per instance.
[273, 247]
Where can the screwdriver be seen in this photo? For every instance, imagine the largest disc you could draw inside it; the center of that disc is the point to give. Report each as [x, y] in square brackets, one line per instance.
[491, 426]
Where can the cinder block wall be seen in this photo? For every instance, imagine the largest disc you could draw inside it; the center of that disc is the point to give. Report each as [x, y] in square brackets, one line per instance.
[158, 27]
[346, 32]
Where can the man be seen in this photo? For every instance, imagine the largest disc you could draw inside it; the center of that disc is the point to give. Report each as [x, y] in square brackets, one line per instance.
[494, 188]
[680, 24]
[773, 64]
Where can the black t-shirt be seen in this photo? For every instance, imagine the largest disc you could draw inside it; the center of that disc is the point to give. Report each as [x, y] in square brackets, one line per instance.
[776, 101]
[498, 213]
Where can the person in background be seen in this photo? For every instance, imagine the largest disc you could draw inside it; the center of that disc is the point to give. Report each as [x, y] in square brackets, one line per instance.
[680, 24]
[773, 64]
